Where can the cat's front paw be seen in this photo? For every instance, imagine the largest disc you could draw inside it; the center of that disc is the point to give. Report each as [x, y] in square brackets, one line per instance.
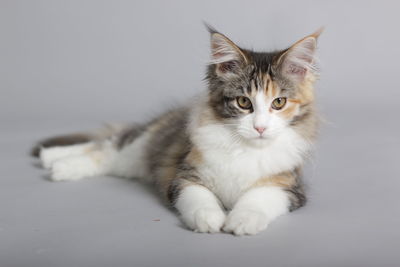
[246, 222]
[205, 220]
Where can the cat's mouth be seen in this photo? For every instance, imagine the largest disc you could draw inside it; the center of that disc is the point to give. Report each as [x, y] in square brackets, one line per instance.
[262, 137]
[258, 138]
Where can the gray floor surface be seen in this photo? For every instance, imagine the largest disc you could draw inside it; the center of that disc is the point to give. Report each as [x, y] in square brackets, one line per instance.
[70, 65]
[352, 218]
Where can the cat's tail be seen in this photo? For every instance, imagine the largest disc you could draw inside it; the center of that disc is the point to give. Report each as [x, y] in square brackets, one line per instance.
[101, 152]
[107, 131]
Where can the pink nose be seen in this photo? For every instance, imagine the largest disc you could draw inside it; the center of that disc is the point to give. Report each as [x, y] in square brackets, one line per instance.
[260, 129]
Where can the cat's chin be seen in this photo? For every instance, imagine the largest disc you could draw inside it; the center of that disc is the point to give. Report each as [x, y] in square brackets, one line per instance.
[259, 141]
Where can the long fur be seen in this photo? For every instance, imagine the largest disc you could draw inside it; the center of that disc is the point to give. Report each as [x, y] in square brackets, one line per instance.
[207, 159]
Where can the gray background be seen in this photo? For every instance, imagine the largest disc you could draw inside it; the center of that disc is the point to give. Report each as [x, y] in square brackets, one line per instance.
[71, 65]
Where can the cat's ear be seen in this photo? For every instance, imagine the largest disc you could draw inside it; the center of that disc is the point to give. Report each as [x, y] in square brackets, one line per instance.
[227, 56]
[299, 60]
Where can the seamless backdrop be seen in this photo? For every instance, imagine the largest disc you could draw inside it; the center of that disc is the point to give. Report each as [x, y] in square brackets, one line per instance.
[72, 65]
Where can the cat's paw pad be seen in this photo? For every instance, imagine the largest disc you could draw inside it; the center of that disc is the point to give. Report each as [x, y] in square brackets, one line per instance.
[246, 222]
[72, 168]
[207, 220]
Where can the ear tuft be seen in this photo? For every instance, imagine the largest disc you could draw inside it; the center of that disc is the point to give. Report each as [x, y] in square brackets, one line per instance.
[227, 56]
[299, 60]
[228, 67]
[224, 50]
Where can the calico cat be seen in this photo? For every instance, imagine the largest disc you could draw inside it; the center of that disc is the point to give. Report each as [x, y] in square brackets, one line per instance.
[229, 160]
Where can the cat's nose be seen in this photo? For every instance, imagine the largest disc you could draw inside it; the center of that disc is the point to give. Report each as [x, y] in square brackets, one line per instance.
[259, 129]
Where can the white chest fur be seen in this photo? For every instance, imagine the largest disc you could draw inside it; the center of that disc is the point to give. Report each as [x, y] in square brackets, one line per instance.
[230, 167]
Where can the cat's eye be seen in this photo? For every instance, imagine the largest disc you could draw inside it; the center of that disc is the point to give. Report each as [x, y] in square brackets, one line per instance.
[279, 103]
[244, 102]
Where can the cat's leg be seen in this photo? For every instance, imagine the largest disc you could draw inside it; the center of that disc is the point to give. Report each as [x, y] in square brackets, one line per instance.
[266, 200]
[78, 161]
[255, 209]
[50, 155]
[199, 208]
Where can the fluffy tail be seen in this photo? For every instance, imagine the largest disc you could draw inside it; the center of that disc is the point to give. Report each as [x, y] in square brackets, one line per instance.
[62, 140]
[76, 138]
[76, 156]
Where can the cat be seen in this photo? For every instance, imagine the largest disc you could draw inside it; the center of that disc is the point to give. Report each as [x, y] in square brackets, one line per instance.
[231, 159]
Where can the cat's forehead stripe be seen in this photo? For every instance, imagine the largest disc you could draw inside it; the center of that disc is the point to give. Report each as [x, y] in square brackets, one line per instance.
[262, 81]
[272, 90]
[268, 82]
[253, 87]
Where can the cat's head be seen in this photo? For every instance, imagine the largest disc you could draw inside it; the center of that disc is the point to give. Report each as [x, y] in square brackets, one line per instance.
[256, 94]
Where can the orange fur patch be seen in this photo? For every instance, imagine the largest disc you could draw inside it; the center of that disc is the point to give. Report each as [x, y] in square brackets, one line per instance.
[296, 101]
[306, 92]
[289, 111]
[284, 180]
[194, 157]
[272, 90]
